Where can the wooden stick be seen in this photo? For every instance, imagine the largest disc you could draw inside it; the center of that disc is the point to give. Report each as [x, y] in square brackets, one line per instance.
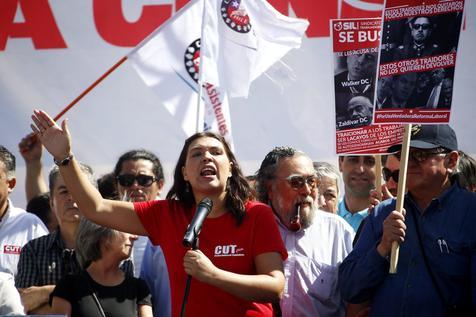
[91, 87]
[402, 180]
[378, 176]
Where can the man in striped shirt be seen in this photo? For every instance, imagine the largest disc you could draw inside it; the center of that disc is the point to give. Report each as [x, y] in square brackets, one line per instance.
[44, 261]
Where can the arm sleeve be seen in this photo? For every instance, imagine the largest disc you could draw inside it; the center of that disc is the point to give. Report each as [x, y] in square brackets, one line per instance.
[143, 293]
[364, 269]
[64, 289]
[10, 301]
[266, 233]
[27, 274]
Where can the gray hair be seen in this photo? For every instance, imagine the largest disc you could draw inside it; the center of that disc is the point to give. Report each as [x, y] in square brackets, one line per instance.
[324, 169]
[9, 161]
[86, 169]
[89, 239]
[268, 168]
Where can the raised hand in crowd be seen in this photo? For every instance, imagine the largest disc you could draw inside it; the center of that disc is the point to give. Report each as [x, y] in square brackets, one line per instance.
[31, 150]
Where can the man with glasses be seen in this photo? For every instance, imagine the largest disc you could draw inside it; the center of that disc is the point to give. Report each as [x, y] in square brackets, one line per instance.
[358, 174]
[390, 173]
[140, 177]
[420, 45]
[316, 241]
[436, 275]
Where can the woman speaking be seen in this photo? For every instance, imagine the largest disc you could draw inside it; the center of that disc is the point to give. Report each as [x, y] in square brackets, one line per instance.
[238, 269]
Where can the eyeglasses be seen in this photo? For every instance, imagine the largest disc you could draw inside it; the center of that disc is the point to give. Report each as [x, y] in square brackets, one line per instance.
[422, 26]
[387, 174]
[297, 182]
[127, 180]
[421, 155]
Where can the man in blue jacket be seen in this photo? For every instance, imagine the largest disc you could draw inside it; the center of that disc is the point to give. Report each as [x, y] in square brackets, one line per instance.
[436, 272]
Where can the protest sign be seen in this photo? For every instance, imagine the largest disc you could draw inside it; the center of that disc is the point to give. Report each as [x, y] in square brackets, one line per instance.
[417, 61]
[355, 50]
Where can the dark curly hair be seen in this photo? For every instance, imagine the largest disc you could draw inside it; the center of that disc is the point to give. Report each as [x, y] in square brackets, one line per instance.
[237, 189]
[268, 168]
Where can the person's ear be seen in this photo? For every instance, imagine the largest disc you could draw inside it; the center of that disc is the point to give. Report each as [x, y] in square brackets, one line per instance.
[184, 173]
[11, 184]
[269, 190]
[160, 184]
[451, 161]
[230, 170]
[341, 161]
[52, 204]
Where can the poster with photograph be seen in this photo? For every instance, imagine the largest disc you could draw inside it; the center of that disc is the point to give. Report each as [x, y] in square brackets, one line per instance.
[355, 50]
[417, 61]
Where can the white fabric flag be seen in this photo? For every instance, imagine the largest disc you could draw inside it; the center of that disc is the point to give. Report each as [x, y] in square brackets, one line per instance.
[168, 61]
[242, 39]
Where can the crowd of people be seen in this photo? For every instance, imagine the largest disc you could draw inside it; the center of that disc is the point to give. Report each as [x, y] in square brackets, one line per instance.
[301, 237]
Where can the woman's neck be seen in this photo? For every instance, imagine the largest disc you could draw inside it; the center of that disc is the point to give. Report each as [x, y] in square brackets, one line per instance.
[218, 208]
[105, 272]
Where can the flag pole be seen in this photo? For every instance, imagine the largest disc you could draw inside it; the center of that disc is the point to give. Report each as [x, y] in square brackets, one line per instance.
[91, 87]
[402, 180]
[200, 77]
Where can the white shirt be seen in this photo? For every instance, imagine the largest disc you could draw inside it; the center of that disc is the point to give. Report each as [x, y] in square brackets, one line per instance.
[10, 302]
[17, 227]
[311, 269]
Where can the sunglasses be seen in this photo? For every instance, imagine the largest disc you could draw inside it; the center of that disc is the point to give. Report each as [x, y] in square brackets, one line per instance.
[127, 180]
[422, 26]
[421, 156]
[387, 174]
[297, 182]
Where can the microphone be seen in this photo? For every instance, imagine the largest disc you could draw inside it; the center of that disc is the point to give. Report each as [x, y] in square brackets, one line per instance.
[193, 229]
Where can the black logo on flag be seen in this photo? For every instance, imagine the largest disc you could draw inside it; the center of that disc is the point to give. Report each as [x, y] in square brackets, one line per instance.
[192, 59]
[235, 16]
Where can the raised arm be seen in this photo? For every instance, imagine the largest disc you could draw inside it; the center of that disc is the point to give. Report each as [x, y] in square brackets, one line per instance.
[31, 150]
[57, 141]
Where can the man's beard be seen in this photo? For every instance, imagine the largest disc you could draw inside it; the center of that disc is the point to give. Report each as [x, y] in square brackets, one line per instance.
[307, 214]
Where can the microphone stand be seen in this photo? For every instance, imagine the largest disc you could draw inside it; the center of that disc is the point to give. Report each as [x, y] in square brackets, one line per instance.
[189, 280]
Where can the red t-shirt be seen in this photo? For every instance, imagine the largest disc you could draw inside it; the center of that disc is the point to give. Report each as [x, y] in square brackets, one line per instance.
[230, 247]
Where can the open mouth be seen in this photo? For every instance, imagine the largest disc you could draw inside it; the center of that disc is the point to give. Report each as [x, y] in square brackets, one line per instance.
[208, 171]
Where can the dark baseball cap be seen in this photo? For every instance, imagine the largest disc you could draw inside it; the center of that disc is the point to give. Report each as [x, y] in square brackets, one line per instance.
[430, 136]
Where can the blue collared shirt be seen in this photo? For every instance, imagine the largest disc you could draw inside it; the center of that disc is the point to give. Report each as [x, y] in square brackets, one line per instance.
[449, 239]
[353, 220]
[154, 272]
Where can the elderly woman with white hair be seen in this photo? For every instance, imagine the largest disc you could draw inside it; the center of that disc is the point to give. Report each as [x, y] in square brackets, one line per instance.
[330, 182]
[101, 288]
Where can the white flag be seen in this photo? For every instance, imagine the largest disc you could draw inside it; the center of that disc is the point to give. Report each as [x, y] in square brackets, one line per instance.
[242, 39]
[168, 62]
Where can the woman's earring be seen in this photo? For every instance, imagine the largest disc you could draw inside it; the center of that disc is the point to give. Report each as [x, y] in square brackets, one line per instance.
[187, 187]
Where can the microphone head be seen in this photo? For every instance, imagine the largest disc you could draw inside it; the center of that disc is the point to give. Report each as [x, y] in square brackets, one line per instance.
[207, 203]
[193, 230]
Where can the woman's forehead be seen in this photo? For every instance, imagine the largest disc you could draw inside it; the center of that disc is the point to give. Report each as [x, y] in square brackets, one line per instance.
[205, 142]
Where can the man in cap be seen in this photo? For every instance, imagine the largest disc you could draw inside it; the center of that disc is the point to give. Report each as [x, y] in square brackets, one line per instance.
[436, 272]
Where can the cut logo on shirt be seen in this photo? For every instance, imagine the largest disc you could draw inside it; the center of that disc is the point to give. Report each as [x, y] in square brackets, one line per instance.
[11, 249]
[228, 250]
